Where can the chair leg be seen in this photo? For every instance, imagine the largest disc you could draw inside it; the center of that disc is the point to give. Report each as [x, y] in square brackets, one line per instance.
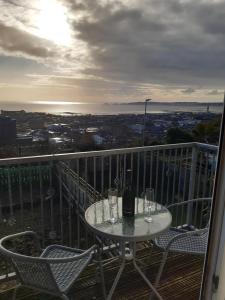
[102, 279]
[14, 292]
[161, 267]
[99, 266]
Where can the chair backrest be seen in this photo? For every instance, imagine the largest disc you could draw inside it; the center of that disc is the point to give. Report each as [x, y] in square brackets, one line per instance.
[198, 216]
[34, 273]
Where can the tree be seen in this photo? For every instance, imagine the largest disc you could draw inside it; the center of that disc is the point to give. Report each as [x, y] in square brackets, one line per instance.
[207, 132]
[176, 135]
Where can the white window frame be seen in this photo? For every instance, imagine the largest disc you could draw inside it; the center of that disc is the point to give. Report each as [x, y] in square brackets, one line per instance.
[213, 283]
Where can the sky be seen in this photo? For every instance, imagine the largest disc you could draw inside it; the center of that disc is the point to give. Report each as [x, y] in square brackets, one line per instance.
[111, 50]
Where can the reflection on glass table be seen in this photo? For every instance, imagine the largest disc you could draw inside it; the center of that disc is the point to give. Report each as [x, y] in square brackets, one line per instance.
[98, 217]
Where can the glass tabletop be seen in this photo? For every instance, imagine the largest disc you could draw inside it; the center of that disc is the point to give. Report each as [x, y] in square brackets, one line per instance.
[134, 228]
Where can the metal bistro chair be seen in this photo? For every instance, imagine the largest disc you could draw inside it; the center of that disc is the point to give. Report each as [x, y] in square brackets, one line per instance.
[54, 271]
[184, 238]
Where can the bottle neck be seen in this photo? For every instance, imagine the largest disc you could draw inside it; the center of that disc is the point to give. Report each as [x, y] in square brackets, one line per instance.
[129, 178]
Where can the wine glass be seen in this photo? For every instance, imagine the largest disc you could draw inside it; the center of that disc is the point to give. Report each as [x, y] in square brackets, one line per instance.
[113, 198]
[149, 199]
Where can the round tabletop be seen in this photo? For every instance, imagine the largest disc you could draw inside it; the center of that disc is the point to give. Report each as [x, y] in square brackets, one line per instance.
[128, 228]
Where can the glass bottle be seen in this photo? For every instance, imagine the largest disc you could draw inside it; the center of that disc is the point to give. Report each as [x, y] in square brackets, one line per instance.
[128, 196]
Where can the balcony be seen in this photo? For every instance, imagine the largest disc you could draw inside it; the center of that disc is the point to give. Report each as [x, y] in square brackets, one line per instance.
[49, 195]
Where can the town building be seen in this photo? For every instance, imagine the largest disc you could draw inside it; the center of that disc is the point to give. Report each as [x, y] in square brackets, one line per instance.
[7, 130]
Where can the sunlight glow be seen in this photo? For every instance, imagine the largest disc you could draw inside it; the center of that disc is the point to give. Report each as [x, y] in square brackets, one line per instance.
[56, 102]
[52, 23]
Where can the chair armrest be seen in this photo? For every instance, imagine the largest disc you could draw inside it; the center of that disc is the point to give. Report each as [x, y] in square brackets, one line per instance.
[189, 201]
[186, 234]
[61, 247]
[18, 235]
[82, 253]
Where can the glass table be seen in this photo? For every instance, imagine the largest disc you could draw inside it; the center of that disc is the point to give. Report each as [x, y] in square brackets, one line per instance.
[128, 230]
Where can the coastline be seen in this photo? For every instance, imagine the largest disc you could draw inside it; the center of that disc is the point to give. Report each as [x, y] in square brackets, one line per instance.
[114, 108]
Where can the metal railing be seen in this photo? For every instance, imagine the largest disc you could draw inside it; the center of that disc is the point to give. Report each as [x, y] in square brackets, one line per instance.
[49, 193]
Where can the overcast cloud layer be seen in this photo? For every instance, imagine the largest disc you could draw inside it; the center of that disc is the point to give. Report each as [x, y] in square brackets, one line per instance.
[119, 50]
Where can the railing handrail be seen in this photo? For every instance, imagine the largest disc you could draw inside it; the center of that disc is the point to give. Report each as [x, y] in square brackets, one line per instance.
[207, 146]
[66, 156]
[76, 155]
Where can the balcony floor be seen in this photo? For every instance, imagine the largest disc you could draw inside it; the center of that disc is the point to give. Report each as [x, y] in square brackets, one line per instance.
[181, 280]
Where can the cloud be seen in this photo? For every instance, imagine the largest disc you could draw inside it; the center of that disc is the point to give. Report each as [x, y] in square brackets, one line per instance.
[125, 47]
[214, 92]
[13, 40]
[188, 91]
[153, 41]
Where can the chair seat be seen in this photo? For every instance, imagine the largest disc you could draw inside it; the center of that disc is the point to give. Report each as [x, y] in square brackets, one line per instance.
[195, 244]
[65, 273]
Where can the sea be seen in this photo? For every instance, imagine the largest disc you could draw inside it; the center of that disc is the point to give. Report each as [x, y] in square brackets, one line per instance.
[69, 108]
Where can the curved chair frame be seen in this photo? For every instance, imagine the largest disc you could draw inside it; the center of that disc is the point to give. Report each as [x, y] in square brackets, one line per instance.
[178, 237]
[55, 270]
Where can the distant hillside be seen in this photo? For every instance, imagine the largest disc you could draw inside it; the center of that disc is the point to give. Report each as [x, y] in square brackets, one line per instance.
[172, 103]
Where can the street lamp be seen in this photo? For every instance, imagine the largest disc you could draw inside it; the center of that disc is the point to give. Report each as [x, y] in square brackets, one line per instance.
[143, 131]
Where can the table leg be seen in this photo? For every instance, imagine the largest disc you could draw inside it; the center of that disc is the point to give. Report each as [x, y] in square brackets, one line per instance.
[109, 297]
[143, 275]
[146, 280]
[141, 263]
[123, 255]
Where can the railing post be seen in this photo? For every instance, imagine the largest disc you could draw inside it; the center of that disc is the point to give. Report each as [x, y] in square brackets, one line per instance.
[192, 182]
[61, 205]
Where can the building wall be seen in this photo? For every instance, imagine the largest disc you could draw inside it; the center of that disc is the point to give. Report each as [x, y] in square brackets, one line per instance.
[7, 130]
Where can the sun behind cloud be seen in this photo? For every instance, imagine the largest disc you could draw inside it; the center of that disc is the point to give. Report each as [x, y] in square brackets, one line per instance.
[52, 23]
[108, 51]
